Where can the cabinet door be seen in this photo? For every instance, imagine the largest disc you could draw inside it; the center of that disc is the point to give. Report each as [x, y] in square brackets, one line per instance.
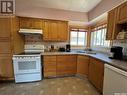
[6, 67]
[53, 30]
[5, 28]
[99, 72]
[111, 25]
[91, 75]
[66, 65]
[82, 65]
[62, 31]
[25, 23]
[5, 47]
[30, 23]
[46, 30]
[5, 35]
[49, 66]
[122, 9]
[96, 73]
[36, 23]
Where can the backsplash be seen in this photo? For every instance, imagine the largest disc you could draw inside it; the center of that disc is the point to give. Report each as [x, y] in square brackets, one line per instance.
[122, 43]
[37, 40]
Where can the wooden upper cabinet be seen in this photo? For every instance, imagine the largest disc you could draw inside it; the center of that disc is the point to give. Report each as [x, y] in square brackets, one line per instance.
[111, 25]
[30, 23]
[82, 65]
[122, 10]
[55, 30]
[96, 73]
[62, 31]
[5, 28]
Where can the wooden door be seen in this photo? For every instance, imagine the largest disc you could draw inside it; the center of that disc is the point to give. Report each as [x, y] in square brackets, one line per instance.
[5, 35]
[25, 23]
[36, 23]
[6, 67]
[111, 25]
[62, 31]
[53, 30]
[96, 73]
[49, 66]
[30, 23]
[91, 75]
[46, 30]
[122, 10]
[82, 65]
[66, 65]
[99, 72]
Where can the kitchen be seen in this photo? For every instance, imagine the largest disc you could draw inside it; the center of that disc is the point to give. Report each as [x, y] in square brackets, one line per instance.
[64, 47]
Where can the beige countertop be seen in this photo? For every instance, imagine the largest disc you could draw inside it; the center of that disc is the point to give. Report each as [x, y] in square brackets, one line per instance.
[103, 57]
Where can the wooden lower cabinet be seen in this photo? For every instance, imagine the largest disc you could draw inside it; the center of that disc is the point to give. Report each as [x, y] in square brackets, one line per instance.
[66, 65]
[49, 66]
[6, 67]
[59, 65]
[96, 73]
[82, 65]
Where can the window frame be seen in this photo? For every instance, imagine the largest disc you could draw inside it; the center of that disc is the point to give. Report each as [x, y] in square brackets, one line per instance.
[79, 30]
[96, 29]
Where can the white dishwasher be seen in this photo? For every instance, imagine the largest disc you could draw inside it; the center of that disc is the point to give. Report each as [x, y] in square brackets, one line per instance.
[115, 81]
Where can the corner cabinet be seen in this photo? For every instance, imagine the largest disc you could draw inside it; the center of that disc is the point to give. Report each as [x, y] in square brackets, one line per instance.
[96, 73]
[116, 18]
[55, 30]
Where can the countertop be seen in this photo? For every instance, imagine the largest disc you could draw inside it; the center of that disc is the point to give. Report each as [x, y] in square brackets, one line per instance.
[101, 56]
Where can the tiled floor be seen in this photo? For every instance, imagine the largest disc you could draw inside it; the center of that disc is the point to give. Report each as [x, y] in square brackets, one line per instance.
[56, 86]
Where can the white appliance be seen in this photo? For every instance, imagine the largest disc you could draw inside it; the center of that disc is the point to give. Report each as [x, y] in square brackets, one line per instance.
[30, 31]
[115, 81]
[28, 65]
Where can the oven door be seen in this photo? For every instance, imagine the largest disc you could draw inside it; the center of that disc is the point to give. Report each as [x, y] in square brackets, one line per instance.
[27, 65]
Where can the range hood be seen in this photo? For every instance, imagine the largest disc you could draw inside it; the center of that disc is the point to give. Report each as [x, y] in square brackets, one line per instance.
[31, 31]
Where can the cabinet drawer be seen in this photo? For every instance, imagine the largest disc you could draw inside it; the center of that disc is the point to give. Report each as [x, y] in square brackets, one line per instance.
[49, 58]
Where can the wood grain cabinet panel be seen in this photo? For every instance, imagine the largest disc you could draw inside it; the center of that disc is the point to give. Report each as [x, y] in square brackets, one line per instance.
[55, 30]
[30, 23]
[82, 65]
[112, 24]
[96, 73]
[62, 31]
[66, 65]
[6, 67]
[49, 66]
[122, 10]
[10, 43]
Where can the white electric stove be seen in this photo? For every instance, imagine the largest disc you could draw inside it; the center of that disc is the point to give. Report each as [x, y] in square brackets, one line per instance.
[28, 65]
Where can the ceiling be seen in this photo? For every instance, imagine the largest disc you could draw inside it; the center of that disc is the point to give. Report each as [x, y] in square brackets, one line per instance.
[71, 5]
